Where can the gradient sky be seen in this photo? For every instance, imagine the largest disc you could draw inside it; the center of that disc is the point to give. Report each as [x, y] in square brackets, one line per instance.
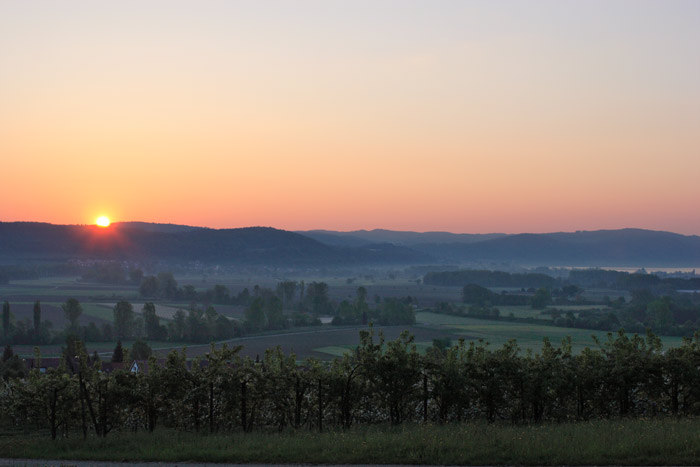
[469, 116]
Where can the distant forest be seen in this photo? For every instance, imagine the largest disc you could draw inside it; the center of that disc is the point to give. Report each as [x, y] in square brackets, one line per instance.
[599, 278]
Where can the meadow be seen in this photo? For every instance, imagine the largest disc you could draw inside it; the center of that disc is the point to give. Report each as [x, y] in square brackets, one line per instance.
[601, 442]
[529, 336]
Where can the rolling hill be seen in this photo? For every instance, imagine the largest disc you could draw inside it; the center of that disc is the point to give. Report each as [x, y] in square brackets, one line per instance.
[29, 241]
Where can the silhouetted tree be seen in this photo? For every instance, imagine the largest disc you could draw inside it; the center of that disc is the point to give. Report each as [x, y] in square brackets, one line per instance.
[6, 319]
[37, 317]
[123, 319]
[140, 350]
[72, 310]
[118, 354]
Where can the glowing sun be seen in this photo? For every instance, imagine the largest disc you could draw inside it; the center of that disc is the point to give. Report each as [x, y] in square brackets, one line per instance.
[103, 221]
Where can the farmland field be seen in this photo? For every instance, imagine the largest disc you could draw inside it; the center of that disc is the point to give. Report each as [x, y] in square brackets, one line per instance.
[528, 336]
[323, 342]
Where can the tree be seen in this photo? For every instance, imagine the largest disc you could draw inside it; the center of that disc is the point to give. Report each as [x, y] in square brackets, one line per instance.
[37, 317]
[6, 319]
[140, 350]
[136, 276]
[151, 321]
[478, 295]
[273, 313]
[286, 291]
[8, 353]
[123, 319]
[195, 328]
[221, 294]
[658, 314]
[167, 285]
[541, 299]
[72, 309]
[118, 354]
[149, 286]
[255, 314]
[317, 298]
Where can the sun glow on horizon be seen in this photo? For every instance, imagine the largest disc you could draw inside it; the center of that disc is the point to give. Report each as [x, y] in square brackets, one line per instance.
[103, 221]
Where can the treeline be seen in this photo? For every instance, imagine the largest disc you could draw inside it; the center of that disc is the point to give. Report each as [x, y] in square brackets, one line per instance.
[194, 325]
[486, 278]
[631, 281]
[536, 298]
[34, 331]
[300, 296]
[306, 301]
[599, 278]
[10, 272]
[112, 273]
[264, 312]
[675, 315]
[380, 382]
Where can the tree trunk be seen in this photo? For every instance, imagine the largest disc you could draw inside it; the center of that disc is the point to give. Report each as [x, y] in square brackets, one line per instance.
[211, 407]
[425, 398]
[244, 409]
[320, 406]
[82, 417]
[52, 415]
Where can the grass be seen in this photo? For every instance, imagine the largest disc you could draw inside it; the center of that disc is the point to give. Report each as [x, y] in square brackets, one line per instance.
[619, 442]
[529, 336]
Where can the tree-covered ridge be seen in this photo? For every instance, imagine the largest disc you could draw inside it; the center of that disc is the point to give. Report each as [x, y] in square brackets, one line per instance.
[625, 376]
[32, 241]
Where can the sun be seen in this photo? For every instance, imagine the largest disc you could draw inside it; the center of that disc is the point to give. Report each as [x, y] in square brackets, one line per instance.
[103, 221]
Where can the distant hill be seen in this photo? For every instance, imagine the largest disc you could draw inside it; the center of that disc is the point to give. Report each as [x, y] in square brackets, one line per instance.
[153, 227]
[621, 248]
[21, 241]
[406, 238]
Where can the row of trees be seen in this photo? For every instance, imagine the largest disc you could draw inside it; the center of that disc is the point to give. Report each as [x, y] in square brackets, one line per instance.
[34, 331]
[195, 325]
[265, 312]
[381, 382]
[676, 314]
[600, 278]
[298, 296]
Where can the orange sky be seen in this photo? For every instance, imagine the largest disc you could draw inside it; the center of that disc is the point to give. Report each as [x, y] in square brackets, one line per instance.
[460, 116]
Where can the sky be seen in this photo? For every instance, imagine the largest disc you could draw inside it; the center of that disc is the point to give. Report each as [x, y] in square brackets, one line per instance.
[464, 116]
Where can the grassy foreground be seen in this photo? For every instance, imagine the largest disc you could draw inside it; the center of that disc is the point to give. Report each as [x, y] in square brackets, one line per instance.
[633, 442]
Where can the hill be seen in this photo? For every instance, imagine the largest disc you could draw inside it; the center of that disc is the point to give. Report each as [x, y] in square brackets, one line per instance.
[616, 248]
[396, 237]
[30, 241]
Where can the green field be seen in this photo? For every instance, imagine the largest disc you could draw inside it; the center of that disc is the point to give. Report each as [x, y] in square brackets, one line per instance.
[605, 442]
[529, 336]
